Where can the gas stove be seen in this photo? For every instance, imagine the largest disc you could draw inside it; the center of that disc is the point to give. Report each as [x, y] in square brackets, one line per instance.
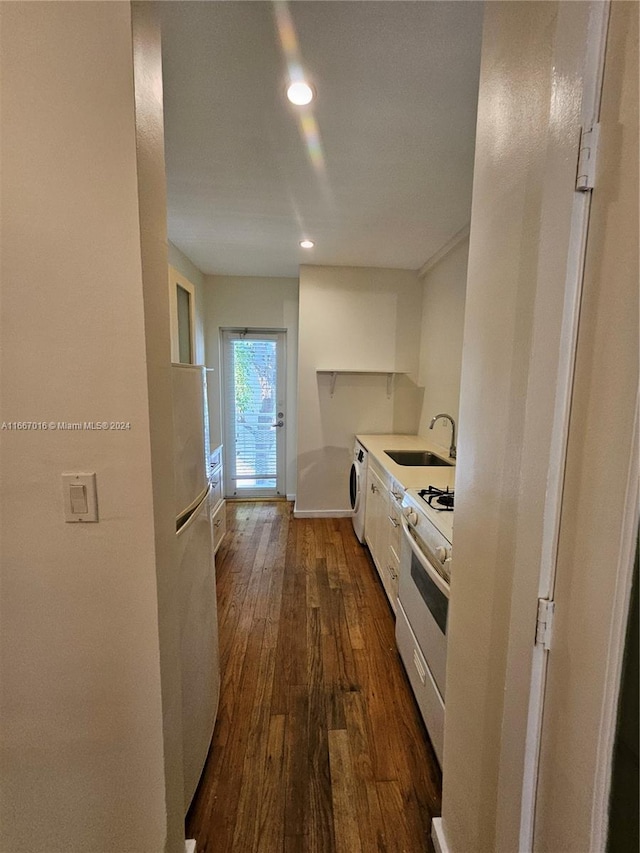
[442, 499]
[434, 504]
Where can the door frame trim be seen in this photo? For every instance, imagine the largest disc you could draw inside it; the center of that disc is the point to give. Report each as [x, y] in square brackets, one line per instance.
[176, 279]
[281, 470]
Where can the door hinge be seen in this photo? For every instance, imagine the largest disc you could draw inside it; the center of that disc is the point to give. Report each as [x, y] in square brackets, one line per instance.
[587, 158]
[544, 622]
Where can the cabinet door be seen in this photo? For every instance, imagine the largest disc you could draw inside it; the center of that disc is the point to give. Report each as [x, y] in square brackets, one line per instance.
[371, 511]
[219, 522]
[376, 521]
[216, 486]
[393, 569]
[393, 519]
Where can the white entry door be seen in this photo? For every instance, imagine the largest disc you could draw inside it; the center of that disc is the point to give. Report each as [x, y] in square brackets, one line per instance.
[598, 531]
[253, 376]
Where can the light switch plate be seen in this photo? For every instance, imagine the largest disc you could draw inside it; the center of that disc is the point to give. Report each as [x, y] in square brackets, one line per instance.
[80, 497]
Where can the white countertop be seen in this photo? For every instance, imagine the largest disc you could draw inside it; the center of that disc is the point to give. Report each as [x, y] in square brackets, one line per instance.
[409, 476]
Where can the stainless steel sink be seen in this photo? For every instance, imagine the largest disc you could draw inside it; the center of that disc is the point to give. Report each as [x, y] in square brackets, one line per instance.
[417, 457]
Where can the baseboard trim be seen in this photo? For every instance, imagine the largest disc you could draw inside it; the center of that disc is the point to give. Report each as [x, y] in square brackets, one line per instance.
[321, 513]
[291, 498]
[190, 846]
[438, 836]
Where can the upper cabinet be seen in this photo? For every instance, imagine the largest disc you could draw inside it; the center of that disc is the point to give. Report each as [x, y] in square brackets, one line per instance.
[182, 306]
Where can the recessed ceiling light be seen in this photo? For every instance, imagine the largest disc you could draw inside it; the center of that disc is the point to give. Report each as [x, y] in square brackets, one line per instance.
[307, 244]
[300, 93]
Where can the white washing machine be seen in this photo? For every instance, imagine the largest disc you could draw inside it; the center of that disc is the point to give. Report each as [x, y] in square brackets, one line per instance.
[358, 488]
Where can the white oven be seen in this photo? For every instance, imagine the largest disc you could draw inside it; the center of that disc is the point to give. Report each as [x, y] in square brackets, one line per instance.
[423, 602]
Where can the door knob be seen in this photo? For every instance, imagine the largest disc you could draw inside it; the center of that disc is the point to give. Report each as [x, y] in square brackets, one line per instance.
[278, 424]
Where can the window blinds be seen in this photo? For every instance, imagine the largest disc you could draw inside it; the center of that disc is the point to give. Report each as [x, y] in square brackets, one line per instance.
[251, 401]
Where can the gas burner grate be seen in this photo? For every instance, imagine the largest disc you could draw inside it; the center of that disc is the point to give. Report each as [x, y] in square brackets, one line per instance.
[442, 499]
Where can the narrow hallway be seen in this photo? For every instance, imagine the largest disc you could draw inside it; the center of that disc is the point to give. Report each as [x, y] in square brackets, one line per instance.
[318, 745]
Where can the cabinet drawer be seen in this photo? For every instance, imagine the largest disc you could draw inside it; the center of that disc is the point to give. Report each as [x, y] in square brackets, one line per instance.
[216, 486]
[396, 494]
[215, 458]
[393, 569]
[219, 524]
[395, 527]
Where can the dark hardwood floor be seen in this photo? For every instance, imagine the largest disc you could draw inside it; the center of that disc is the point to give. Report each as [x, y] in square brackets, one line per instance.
[318, 744]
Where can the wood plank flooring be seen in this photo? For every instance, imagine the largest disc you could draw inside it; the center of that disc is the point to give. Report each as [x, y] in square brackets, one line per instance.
[318, 746]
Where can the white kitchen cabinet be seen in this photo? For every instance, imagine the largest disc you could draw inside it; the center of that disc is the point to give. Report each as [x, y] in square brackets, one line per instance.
[393, 571]
[396, 493]
[218, 504]
[375, 528]
[382, 527]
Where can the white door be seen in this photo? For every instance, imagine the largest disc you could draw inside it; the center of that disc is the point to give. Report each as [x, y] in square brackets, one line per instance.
[253, 376]
[599, 520]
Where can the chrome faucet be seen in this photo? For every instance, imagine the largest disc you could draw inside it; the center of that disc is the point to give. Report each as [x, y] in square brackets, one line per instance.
[452, 449]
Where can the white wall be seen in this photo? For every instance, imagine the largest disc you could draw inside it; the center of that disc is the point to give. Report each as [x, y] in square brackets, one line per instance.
[352, 319]
[443, 299]
[261, 303]
[152, 215]
[90, 754]
[179, 261]
[524, 177]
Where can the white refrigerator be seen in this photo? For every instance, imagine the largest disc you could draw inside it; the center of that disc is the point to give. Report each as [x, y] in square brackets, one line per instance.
[196, 571]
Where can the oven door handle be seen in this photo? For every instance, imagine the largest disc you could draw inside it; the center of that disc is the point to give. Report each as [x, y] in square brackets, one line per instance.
[424, 561]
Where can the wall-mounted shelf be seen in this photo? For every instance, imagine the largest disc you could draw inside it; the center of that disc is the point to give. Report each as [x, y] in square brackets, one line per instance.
[390, 374]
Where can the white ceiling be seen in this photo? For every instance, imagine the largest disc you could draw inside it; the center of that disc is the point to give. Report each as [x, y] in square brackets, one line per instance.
[395, 111]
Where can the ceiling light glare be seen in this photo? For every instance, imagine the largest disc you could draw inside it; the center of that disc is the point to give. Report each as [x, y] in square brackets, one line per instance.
[307, 244]
[300, 93]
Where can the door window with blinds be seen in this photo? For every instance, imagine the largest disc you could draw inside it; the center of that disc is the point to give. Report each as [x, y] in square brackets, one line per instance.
[254, 412]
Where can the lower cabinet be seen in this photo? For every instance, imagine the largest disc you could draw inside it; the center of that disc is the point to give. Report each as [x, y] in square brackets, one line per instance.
[218, 503]
[382, 527]
[396, 493]
[219, 521]
[393, 572]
